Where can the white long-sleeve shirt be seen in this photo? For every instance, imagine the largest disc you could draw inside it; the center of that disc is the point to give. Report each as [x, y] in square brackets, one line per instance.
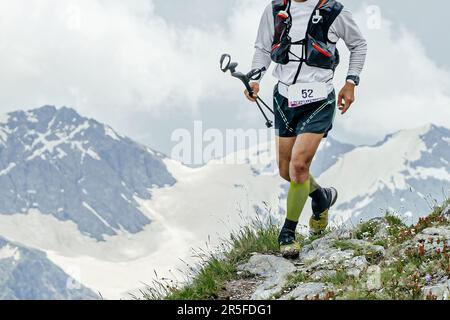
[344, 27]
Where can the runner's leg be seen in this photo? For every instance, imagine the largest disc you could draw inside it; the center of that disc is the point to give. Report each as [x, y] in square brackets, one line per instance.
[303, 152]
[284, 148]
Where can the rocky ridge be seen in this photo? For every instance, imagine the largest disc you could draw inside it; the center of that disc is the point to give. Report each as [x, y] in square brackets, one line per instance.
[379, 259]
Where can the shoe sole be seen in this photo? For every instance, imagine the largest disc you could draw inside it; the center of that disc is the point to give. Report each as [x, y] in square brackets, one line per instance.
[290, 253]
[334, 197]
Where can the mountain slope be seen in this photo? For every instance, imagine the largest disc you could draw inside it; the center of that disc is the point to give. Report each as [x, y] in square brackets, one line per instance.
[27, 274]
[116, 210]
[404, 173]
[77, 170]
[328, 154]
[381, 259]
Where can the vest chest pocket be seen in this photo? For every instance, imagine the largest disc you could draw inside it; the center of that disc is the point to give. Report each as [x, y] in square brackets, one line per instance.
[318, 54]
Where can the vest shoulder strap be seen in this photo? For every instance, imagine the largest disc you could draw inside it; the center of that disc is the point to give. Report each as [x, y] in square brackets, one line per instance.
[279, 5]
[329, 10]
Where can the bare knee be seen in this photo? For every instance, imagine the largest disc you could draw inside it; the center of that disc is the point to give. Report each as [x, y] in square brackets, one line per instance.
[299, 171]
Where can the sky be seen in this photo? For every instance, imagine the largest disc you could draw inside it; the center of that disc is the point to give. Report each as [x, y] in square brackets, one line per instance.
[149, 67]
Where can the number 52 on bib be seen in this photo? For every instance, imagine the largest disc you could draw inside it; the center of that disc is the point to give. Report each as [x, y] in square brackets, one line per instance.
[301, 94]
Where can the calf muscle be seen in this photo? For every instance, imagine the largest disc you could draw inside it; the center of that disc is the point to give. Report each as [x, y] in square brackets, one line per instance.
[284, 148]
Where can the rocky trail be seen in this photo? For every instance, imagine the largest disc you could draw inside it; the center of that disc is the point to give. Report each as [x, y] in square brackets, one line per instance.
[379, 259]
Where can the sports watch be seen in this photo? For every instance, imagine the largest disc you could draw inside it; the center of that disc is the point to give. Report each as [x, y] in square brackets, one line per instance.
[353, 79]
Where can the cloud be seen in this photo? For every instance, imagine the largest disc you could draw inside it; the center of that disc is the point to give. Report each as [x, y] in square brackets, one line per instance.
[114, 59]
[401, 86]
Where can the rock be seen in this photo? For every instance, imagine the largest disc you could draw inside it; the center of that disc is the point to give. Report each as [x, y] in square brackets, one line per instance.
[374, 278]
[440, 232]
[369, 248]
[322, 274]
[241, 289]
[356, 266]
[306, 291]
[440, 291]
[342, 233]
[354, 272]
[322, 255]
[326, 258]
[273, 269]
[383, 229]
[432, 238]
[446, 212]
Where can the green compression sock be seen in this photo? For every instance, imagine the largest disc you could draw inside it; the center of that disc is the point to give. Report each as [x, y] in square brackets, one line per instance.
[297, 196]
[314, 185]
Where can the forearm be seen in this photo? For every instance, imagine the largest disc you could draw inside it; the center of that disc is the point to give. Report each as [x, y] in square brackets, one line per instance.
[261, 60]
[347, 29]
[358, 55]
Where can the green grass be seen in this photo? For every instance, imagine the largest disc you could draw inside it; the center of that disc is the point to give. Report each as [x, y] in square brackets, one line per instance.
[402, 278]
[259, 238]
[359, 294]
[338, 279]
[382, 242]
[366, 230]
[314, 237]
[393, 220]
[346, 245]
[292, 282]
[295, 279]
[208, 281]
[215, 270]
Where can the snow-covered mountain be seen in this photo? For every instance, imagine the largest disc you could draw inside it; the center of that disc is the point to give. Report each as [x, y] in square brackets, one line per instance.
[28, 274]
[329, 153]
[406, 173]
[92, 200]
[77, 170]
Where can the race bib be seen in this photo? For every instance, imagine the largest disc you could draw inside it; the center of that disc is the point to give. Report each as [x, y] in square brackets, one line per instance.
[301, 94]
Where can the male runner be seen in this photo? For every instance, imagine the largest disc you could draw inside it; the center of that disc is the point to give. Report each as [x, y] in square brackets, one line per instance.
[304, 98]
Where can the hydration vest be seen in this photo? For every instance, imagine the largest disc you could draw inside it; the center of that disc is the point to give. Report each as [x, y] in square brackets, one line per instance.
[315, 43]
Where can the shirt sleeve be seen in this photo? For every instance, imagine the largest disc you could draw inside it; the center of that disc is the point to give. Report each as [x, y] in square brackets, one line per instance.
[263, 45]
[345, 28]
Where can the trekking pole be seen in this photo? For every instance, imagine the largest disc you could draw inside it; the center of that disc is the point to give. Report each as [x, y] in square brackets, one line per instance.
[227, 65]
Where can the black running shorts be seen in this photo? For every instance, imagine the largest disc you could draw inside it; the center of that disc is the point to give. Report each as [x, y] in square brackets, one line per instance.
[316, 117]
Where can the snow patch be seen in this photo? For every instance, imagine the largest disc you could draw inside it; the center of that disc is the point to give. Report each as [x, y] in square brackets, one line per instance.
[8, 252]
[31, 117]
[115, 266]
[383, 165]
[111, 133]
[95, 213]
[4, 134]
[8, 169]
[49, 146]
[436, 173]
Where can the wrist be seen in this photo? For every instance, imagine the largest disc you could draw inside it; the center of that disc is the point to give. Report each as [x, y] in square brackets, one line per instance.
[353, 80]
[350, 84]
